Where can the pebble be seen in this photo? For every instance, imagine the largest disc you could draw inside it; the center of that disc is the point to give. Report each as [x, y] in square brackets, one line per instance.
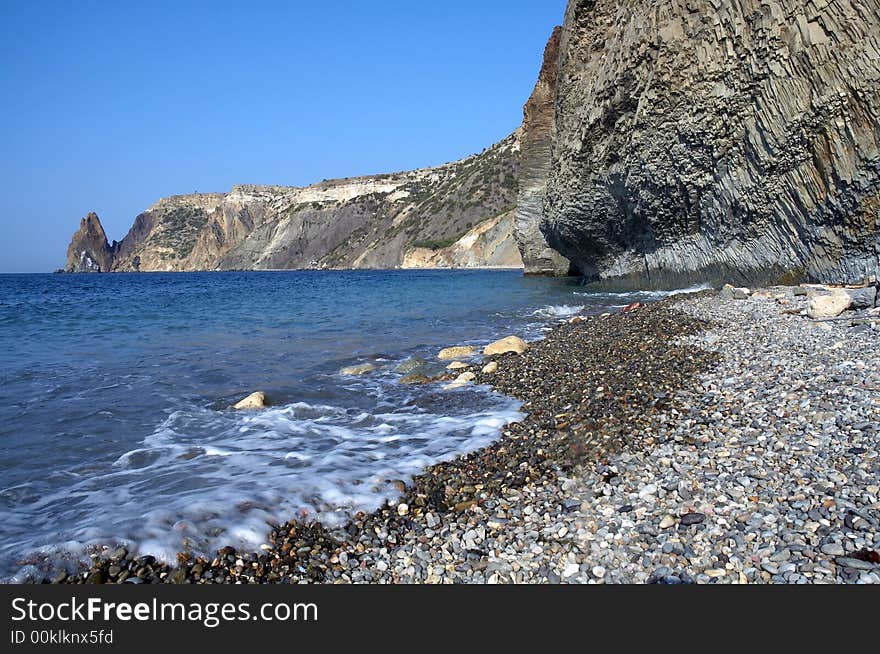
[692, 519]
[570, 570]
[833, 549]
[855, 564]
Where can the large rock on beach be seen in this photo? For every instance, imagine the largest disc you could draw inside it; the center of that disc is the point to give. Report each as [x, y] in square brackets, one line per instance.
[510, 344]
[356, 370]
[457, 352]
[462, 380]
[830, 303]
[412, 364]
[733, 293]
[862, 298]
[414, 378]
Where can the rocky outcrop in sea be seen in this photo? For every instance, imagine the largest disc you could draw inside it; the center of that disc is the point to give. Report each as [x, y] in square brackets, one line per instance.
[89, 250]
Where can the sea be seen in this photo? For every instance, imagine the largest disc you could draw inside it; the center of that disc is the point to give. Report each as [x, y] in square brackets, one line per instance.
[115, 394]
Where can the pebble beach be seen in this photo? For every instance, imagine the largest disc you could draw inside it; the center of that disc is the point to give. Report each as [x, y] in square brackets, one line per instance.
[706, 438]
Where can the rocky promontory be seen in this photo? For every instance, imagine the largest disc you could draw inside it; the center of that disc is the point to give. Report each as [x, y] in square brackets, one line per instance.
[455, 215]
[663, 145]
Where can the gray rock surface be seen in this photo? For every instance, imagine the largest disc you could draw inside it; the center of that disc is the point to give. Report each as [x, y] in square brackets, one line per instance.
[863, 298]
[717, 141]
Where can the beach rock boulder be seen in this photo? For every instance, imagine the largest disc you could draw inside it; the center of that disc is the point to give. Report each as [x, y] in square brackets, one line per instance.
[862, 298]
[733, 293]
[510, 344]
[457, 352]
[462, 380]
[827, 303]
[252, 402]
[414, 378]
[456, 365]
[412, 364]
[360, 369]
[490, 368]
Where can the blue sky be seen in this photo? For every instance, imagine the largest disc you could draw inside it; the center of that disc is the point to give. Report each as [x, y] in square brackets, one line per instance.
[107, 107]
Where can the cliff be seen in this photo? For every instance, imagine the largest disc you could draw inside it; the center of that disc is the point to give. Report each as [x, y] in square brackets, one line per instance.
[365, 222]
[89, 250]
[538, 132]
[489, 244]
[698, 140]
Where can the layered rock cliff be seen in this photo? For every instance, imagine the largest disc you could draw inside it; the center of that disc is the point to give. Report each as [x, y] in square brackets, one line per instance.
[365, 222]
[538, 132]
[700, 140]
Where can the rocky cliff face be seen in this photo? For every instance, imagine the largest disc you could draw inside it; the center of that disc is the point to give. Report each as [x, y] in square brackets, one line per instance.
[89, 250]
[489, 244]
[367, 222]
[700, 140]
[538, 131]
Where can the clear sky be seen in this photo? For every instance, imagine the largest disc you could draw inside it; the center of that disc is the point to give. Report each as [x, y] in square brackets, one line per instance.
[108, 106]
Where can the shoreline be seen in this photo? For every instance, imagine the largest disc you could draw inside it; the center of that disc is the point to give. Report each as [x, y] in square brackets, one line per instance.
[274, 270]
[624, 470]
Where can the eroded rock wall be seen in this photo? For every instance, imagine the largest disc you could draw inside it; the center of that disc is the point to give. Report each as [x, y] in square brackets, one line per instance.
[538, 131]
[488, 245]
[701, 140]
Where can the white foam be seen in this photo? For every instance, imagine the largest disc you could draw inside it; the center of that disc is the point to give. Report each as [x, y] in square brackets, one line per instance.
[624, 298]
[203, 479]
[559, 311]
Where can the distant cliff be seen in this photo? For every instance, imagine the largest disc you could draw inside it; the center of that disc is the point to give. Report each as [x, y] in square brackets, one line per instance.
[697, 140]
[383, 221]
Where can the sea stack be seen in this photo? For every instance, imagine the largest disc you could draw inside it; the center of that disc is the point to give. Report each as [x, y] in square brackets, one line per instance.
[89, 250]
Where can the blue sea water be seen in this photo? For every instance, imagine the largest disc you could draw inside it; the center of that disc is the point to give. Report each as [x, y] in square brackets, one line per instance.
[115, 425]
